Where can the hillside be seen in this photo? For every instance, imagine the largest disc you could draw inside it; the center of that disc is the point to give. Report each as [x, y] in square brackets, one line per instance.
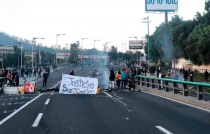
[6, 39]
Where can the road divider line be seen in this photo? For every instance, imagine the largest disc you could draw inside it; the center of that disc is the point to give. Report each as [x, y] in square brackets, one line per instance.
[107, 94]
[52, 93]
[120, 102]
[47, 101]
[38, 118]
[56, 84]
[178, 101]
[18, 110]
[115, 98]
[163, 130]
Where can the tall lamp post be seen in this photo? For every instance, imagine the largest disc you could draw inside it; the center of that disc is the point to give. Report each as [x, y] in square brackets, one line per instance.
[57, 45]
[122, 49]
[106, 45]
[21, 52]
[32, 57]
[146, 20]
[136, 50]
[95, 49]
[82, 51]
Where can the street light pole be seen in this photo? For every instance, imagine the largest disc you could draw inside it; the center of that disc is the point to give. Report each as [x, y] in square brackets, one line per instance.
[21, 56]
[95, 49]
[32, 57]
[146, 20]
[82, 51]
[56, 45]
[122, 51]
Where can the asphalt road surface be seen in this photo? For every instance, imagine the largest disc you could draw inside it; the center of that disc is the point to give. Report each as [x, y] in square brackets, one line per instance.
[119, 112]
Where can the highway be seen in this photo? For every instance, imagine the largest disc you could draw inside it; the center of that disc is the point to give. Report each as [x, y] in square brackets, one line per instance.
[119, 112]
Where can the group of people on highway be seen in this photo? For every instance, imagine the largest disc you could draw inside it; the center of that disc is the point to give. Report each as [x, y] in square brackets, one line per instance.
[123, 78]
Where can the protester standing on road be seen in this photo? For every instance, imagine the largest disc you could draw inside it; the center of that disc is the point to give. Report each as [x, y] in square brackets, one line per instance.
[34, 72]
[9, 75]
[45, 76]
[48, 70]
[16, 79]
[71, 72]
[39, 71]
[124, 78]
[25, 78]
[111, 79]
[4, 72]
[206, 74]
[94, 73]
[118, 77]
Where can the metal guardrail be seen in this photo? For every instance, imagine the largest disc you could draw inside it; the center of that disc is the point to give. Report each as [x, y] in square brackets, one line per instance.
[162, 83]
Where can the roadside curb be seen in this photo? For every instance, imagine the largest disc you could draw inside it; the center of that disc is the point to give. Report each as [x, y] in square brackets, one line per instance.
[177, 97]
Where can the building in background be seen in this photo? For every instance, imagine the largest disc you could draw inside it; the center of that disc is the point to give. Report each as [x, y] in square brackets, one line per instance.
[62, 55]
[6, 49]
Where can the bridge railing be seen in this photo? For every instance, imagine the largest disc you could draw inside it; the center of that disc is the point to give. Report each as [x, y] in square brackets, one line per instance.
[175, 85]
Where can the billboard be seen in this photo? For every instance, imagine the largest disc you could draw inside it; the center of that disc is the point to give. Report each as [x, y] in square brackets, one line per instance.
[161, 5]
[135, 44]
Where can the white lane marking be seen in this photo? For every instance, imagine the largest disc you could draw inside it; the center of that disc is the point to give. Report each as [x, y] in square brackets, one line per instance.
[56, 84]
[47, 101]
[120, 101]
[179, 102]
[107, 94]
[38, 118]
[12, 114]
[52, 93]
[115, 98]
[163, 130]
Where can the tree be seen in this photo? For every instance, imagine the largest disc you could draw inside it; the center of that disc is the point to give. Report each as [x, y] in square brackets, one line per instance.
[74, 52]
[113, 53]
[199, 47]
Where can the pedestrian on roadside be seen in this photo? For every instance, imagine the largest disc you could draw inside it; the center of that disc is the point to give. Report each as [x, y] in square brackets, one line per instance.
[206, 74]
[185, 74]
[118, 77]
[45, 76]
[191, 75]
[111, 79]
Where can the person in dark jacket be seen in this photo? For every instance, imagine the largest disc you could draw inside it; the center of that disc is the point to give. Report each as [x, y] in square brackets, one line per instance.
[16, 79]
[191, 75]
[185, 74]
[206, 74]
[45, 76]
[71, 72]
[111, 79]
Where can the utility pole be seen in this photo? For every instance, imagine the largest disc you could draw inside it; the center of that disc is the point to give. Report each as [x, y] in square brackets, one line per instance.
[146, 20]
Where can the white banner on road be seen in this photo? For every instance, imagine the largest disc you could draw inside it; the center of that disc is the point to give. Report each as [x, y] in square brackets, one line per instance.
[78, 85]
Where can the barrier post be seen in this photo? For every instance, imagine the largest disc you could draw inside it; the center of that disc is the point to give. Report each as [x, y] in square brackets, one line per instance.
[159, 85]
[199, 92]
[147, 82]
[166, 86]
[175, 90]
[153, 85]
[185, 92]
[142, 82]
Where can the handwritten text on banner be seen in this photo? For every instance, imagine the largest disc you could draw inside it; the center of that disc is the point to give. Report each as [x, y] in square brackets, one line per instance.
[78, 85]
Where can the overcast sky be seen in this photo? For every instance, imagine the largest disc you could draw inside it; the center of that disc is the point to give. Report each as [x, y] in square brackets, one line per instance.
[108, 20]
